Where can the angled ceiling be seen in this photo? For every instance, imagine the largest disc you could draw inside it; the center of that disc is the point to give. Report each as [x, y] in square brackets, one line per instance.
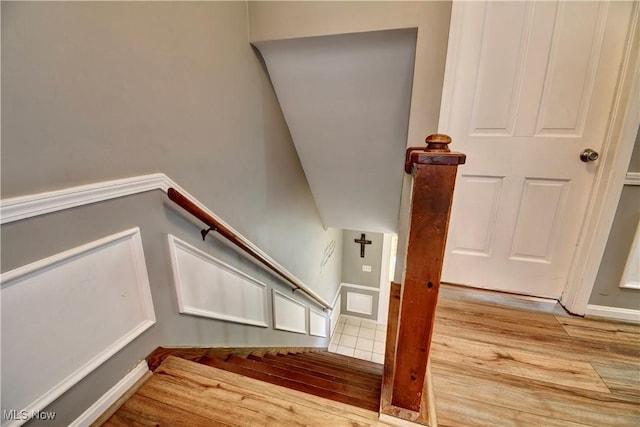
[346, 100]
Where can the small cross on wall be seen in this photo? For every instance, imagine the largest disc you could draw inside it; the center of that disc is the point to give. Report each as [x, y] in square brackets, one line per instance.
[362, 241]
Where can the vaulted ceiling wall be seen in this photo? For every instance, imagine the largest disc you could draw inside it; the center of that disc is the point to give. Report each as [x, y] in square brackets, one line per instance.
[346, 99]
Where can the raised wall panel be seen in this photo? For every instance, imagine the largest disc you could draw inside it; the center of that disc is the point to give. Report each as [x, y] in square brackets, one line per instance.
[317, 324]
[289, 314]
[572, 67]
[65, 315]
[476, 207]
[359, 303]
[501, 67]
[207, 287]
[538, 218]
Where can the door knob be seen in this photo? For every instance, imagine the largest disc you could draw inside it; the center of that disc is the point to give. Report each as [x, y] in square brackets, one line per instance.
[589, 155]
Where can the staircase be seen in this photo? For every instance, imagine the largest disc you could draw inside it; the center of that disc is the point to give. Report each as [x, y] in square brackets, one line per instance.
[229, 387]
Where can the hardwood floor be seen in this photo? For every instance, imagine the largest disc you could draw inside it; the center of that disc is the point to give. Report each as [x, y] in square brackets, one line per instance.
[508, 361]
[496, 360]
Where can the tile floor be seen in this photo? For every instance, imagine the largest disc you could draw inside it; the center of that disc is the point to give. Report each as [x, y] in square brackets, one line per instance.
[363, 339]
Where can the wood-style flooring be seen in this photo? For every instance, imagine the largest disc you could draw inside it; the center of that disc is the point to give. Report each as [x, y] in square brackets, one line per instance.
[495, 361]
[501, 360]
[185, 393]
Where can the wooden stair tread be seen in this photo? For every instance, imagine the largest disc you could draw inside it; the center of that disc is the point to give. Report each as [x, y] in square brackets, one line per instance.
[185, 393]
[338, 377]
[328, 369]
[362, 366]
[370, 404]
[325, 355]
[260, 364]
[340, 364]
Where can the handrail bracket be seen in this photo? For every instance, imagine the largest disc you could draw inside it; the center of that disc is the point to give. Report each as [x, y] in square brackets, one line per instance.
[206, 231]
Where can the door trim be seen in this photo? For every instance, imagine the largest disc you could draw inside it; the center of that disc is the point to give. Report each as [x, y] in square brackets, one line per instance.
[385, 283]
[618, 146]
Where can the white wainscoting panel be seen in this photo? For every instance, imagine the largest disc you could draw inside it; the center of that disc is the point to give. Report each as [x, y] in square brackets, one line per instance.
[317, 324]
[65, 315]
[359, 303]
[612, 313]
[208, 287]
[288, 314]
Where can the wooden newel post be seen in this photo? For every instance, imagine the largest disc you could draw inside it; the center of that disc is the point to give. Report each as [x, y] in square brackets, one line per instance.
[434, 172]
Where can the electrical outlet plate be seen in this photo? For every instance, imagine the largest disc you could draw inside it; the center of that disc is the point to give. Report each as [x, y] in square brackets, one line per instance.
[366, 268]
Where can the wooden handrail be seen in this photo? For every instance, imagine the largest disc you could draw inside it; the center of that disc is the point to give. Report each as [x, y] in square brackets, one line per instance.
[244, 244]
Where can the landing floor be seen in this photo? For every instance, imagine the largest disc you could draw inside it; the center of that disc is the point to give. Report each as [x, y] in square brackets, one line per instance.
[499, 360]
[506, 360]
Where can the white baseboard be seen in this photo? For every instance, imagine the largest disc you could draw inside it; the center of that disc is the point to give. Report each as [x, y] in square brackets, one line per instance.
[350, 316]
[632, 178]
[111, 396]
[601, 311]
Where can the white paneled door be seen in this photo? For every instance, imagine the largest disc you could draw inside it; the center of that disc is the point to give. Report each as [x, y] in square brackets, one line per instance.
[528, 87]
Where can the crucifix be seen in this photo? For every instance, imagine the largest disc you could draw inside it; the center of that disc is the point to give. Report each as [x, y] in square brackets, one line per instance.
[362, 242]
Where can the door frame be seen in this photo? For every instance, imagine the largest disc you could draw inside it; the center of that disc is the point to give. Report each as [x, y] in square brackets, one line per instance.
[385, 283]
[615, 156]
[624, 124]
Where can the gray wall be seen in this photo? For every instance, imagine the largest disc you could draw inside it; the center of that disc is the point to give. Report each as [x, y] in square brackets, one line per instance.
[352, 263]
[97, 91]
[606, 291]
[352, 269]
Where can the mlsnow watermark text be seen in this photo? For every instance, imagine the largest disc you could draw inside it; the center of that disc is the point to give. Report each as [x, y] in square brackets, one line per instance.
[15, 415]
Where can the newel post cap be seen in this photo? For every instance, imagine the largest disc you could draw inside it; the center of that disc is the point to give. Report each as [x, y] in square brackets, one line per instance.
[436, 152]
[438, 142]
